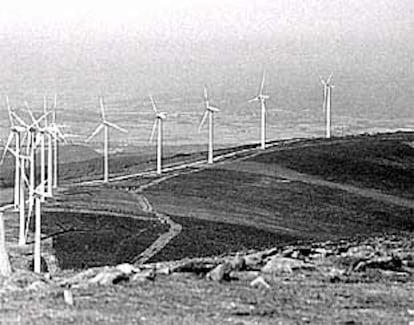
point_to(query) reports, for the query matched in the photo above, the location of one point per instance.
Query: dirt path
(164, 239)
(275, 170)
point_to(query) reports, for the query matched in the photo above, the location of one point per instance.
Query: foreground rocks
(346, 261)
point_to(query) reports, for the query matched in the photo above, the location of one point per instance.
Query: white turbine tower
(209, 112)
(327, 102)
(38, 197)
(262, 99)
(22, 179)
(105, 126)
(15, 132)
(159, 118)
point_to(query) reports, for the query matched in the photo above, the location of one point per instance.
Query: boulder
(281, 265)
(260, 282)
(220, 272)
(145, 275)
(108, 277)
(127, 268)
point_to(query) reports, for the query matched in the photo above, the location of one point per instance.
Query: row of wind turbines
(45, 132)
(209, 113)
(39, 132)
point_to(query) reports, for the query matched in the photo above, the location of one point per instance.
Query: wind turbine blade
(116, 127)
(99, 128)
(253, 100)
(203, 120)
(154, 128)
(101, 102)
(9, 111)
(9, 140)
(213, 109)
(54, 109)
(262, 83)
(153, 103)
(205, 94)
(19, 119)
(26, 179)
(330, 77)
(323, 82)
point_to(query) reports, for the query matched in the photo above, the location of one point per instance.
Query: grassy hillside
(381, 162)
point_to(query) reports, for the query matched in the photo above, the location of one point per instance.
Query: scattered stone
(391, 263)
(127, 268)
(238, 263)
(260, 282)
(144, 275)
(68, 297)
(252, 261)
(244, 275)
(335, 275)
(37, 286)
(280, 265)
(108, 277)
(220, 272)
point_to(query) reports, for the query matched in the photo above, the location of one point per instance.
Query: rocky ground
(360, 281)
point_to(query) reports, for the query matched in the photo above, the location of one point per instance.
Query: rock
(253, 261)
(220, 272)
(109, 277)
(335, 275)
(37, 286)
(127, 268)
(244, 275)
(280, 265)
(68, 297)
(238, 263)
(260, 282)
(391, 263)
(145, 275)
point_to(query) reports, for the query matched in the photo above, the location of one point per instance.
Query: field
(87, 240)
(384, 163)
(296, 193)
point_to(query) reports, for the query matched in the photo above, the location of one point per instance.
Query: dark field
(297, 209)
(200, 238)
(87, 240)
(384, 163)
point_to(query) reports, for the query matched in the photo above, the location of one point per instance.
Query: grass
(185, 299)
(200, 238)
(87, 240)
(301, 210)
(381, 163)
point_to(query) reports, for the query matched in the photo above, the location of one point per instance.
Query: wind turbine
(105, 126)
(22, 179)
(159, 118)
(33, 140)
(262, 99)
(209, 112)
(327, 101)
(15, 132)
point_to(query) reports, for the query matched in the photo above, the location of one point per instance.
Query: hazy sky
(209, 19)
(127, 48)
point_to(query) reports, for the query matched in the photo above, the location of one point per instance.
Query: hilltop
(336, 216)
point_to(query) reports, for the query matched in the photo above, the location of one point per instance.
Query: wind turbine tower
(15, 131)
(327, 102)
(159, 118)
